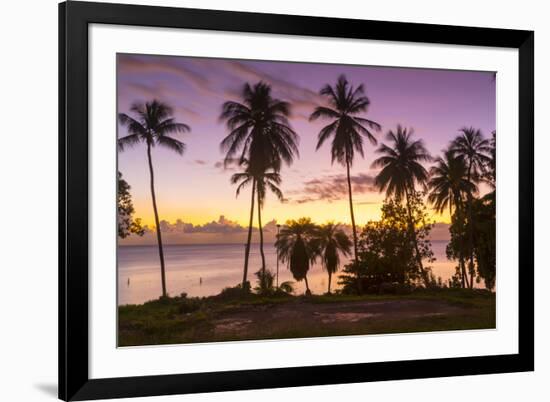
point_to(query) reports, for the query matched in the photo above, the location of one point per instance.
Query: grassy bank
(190, 320)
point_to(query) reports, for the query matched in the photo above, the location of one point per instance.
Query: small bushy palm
(298, 247)
(333, 242)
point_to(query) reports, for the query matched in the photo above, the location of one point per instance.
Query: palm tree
(297, 246)
(448, 182)
(260, 135)
(401, 171)
(346, 128)
(333, 241)
(267, 181)
(153, 124)
(449, 187)
(474, 149)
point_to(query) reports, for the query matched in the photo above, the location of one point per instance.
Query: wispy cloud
(332, 188)
(152, 64)
(303, 100)
(230, 166)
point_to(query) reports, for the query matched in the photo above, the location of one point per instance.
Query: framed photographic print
(258, 201)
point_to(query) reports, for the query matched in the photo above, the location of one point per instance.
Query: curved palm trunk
(247, 250)
(157, 224)
(329, 280)
(261, 240)
(461, 263)
(470, 232)
(464, 275)
(415, 241)
(351, 213)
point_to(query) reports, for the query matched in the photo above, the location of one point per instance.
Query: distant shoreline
(217, 244)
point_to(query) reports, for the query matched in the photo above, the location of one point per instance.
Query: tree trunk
(351, 213)
(462, 264)
(415, 241)
(470, 231)
(329, 279)
(261, 240)
(465, 283)
(308, 292)
(247, 250)
(157, 223)
(277, 254)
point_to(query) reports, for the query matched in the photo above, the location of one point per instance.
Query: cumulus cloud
(332, 188)
(222, 225)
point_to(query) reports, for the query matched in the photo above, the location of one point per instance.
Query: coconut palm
(153, 123)
(347, 129)
(259, 129)
(475, 149)
(448, 182)
(260, 135)
(401, 172)
(266, 181)
(449, 187)
(333, 242)
(298, 247)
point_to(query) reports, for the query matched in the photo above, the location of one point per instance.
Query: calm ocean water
(203, 270)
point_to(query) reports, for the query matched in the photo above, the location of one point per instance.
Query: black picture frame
(74, 18)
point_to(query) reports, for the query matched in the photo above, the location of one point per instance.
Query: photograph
(273, 199)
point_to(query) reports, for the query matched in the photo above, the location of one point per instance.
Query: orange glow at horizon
(318, 211)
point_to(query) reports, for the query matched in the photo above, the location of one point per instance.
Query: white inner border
(106, 360)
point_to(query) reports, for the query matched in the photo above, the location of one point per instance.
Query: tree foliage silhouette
(401, 170)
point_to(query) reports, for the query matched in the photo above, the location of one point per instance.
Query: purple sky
(194, 188)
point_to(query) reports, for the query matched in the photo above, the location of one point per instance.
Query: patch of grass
(190, 320)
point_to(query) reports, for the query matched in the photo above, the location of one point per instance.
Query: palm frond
(171, 143)
(128, 141)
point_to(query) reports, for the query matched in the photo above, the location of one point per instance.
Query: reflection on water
(204, 270)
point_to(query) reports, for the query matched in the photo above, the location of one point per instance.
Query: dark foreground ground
(181, 320)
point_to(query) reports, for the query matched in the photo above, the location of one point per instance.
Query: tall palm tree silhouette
(297, 246)
(347, 129)
(266, 181)
(333, 241)
(449, 187)
(260, 135)
(475, 149)
(152, 125)
(401, 171)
